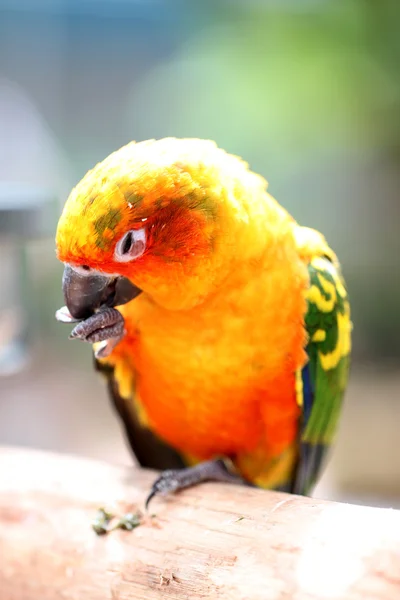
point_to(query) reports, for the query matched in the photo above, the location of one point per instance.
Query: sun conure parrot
(222, 326)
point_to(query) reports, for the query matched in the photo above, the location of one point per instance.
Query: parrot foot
(106, 326)
(178, 479)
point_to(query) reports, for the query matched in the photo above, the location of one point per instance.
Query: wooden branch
(214, 541)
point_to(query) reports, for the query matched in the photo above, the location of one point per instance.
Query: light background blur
(307, 91)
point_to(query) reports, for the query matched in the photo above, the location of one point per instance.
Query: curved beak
(85, 293)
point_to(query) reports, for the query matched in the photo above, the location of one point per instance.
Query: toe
(167, 482)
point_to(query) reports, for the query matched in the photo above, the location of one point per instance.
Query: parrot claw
(178, 479)
(106, 325)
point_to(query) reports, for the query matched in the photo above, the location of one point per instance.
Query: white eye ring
(131, 245)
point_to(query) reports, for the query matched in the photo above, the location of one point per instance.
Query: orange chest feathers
(205, 378)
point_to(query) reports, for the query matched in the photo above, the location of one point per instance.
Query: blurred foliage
(282, 84)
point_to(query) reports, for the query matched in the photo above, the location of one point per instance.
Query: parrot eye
(131, 245)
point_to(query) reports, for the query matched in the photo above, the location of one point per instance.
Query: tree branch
(214, 541)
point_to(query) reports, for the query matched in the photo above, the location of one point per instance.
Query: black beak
(85, 293)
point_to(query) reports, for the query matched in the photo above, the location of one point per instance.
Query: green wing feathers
(322, 382)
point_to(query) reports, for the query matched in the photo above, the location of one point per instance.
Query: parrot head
(157, 217)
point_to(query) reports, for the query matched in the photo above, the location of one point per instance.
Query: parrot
(220, 325)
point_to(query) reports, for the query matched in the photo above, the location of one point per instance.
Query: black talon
(149, 498)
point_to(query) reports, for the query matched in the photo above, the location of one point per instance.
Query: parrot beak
(84, 293)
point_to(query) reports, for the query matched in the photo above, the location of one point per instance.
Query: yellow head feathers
(193, 199)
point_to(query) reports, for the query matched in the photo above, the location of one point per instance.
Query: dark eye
(127, 243)
(131, 245)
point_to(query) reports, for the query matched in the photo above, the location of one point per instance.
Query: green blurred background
(307, 91)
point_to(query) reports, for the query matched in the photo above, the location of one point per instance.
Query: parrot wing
(320, 385)
(150, 451)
